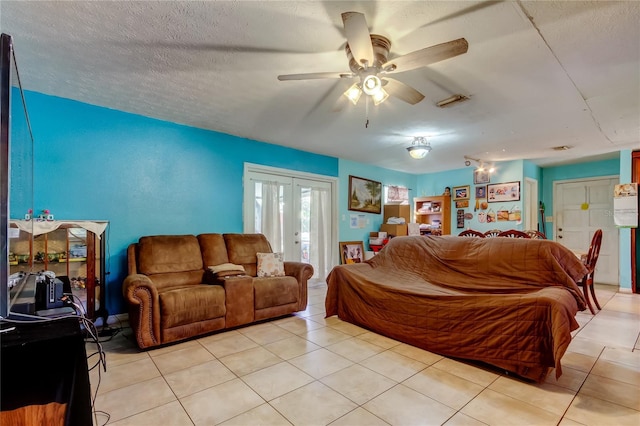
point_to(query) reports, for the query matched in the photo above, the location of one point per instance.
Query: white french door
(580, 208)
(295, 211)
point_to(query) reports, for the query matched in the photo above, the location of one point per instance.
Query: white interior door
(295, 212)
(582, 207)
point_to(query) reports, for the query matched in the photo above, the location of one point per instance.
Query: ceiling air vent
(562, 148)
(452, 100)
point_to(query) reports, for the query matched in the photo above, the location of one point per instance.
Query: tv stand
(45, 379)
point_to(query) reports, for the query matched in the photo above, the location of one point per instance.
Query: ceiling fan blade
(428, 55)
(314, 76)
(402, 91)
(358, 37)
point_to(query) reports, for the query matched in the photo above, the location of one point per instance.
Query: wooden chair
(536, 235)
(513, 233)
(590, 263)
(492, 233)
(471, 233)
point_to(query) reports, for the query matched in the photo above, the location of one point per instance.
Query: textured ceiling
(538, 74)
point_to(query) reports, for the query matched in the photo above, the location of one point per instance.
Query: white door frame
(530, 204)
(333, 181)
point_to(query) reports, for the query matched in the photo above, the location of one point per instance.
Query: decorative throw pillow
(270, 265)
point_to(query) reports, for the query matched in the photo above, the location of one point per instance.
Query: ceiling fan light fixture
(353, 93)
(380, 96)
(419, 148)
(371, 85)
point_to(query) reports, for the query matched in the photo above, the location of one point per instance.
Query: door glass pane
(305, 216)
(269, 212)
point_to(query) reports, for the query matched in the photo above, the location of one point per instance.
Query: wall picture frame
(461, 192)
(351, 252)
(503, 192)
(481, 192)
(481, 176)
(365, 195)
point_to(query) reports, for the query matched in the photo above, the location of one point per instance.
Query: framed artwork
(461, 192)
(481, 192)
(351, 252)
(462, 204)
(501, 192)
(365, 195)
(481, 176)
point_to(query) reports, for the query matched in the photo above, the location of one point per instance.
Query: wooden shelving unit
(433, 211)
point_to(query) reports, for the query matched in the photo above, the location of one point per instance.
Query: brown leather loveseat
(175, 288)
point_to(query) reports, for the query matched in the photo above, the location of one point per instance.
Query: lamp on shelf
(419, 148)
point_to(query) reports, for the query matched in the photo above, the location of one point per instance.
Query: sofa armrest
(301, 272)
(144, 309)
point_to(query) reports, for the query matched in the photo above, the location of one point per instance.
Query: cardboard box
(397, 210)
(394, 230)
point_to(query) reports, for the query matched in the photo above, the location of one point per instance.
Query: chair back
(492, 233)
(471, 233)
(594, 250)
(513, 233)
(536, 235)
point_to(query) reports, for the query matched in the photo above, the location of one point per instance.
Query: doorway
(531, 204)
(580, 208)
(295, 211)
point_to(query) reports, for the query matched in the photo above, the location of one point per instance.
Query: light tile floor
(310, 370)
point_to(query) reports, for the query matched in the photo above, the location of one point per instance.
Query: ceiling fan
(367, 54)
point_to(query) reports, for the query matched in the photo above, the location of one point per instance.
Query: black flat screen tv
(16, 170)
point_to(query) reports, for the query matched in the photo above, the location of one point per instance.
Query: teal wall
(509, 171)
(144, 176)
(147, 176)
(373, 221)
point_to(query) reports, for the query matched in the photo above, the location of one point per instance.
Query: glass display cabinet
(74, 249)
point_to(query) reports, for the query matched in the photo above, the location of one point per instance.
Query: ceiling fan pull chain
(366, 108)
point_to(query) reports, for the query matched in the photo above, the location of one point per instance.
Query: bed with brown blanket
(508, 302)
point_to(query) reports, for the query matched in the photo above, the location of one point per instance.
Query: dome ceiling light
(419, 148)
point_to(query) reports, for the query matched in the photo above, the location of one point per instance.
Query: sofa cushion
(214, 250)
(242, 250)
(161, 254)
(275, 291)
(174, 279)
(270, 265)
(190, 304)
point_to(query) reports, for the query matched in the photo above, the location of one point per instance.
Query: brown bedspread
(509, 302)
